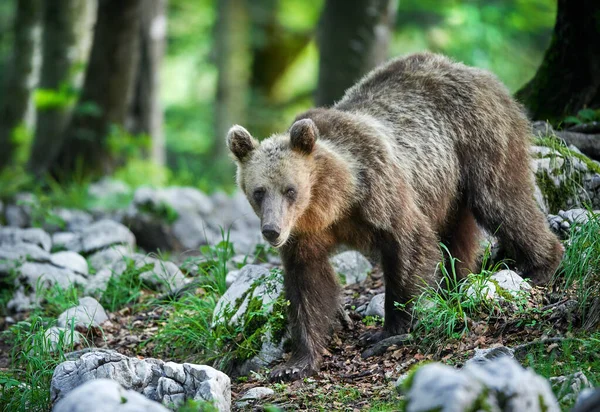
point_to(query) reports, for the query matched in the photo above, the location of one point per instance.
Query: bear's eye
(258, 195)
(290, 193)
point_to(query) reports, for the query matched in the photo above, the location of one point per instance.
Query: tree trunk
(233, 64)
(67, 38)
(353, 38)
(274, 49)
(21, 75)
(568, 79)
(107, 90)
(146, 111)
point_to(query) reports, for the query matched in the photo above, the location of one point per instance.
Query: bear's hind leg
(313, 290)
(507, 208)
(462, 240)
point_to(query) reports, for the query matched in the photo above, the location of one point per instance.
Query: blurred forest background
(146, 89)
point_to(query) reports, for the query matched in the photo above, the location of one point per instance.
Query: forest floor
(349, 382)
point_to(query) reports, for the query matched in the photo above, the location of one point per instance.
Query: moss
(163, 211)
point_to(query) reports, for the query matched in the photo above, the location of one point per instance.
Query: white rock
(498, 385)
(11, 236)
(568, 388)
(232, 275)
(13, 255)
(101, 395)
(65, 338)
(254, 394)
(100, 235)
(352, 265)
(89, 313)
(482, 290)
(70, 260)
(168, 383)
(510, 281)
(107, 257)
(376, 306)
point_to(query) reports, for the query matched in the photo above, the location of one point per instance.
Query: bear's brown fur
(421, 150)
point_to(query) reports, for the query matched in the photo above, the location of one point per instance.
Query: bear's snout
(270, 232)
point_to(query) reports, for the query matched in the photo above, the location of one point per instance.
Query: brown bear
(422, 150)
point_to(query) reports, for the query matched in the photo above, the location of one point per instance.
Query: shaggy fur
(421, 150)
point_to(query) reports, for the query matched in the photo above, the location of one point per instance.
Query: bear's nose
(270, 232)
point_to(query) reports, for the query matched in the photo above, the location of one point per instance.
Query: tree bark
(146, 111)
(67, 38)
(108, 89)
(21, 75)
(233, 64)
(353, 37)
(568, 79)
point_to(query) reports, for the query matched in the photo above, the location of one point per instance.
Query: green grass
(580, 268)
(569, 357)
(444, 311)
(26, 385)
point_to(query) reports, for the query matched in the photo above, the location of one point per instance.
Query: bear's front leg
(312, 288)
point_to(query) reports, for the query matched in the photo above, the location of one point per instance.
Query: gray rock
(163, 275)
(254, 282)
(18, 214)
(588, 401)
(568, 388)
(72, 219)
(14, 255)
(57, 337)
(232, 275)
(376, 306)
(100, 395)
(498, 385)
(60, 240)
(507, 280)
(254, 394)
(353, 266)
(107, 257)
(486, 355)
(510, 281)
(100, 235)
(88, 314)
(168, 383)
(12, 236)
(70, 260)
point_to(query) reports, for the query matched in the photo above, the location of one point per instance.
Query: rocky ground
(90, 319)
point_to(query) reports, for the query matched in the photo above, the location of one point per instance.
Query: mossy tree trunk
(107, 91)
(568, 79)
(146, 114)
(353, 38)
(233, 64)
(66, 43)
(21, 75)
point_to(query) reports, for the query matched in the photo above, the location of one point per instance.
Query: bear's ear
(240, 142)
(303, 135)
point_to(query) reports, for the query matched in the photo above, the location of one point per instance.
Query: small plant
(580, 268)
(445, 311)
(372, 320)
(583, 116)
(25, 386)
(125, 289)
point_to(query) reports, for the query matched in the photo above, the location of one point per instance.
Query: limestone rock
(169, 383)
(352, 265)
(376, 306)
(88, 314)
(100, 395)
(499, 385)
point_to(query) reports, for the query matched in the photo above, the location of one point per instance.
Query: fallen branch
(519, 349)
(588, 144)
(380, 347)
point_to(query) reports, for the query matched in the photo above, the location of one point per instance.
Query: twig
(380, 347)
(593, 127)
(553, 305)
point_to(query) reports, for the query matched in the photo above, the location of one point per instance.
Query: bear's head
(276, 175)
